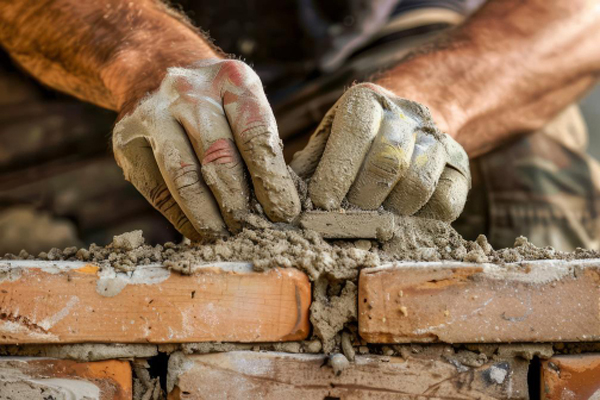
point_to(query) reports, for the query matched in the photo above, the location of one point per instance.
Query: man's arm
(508, 70)
(108, 52)
(193, 146)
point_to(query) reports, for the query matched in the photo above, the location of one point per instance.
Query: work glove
(375, 148)
(187, 147)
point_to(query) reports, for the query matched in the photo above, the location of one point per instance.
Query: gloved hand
(185, 148)
(375, 148)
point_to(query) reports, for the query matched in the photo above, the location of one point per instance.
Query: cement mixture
(332, 266)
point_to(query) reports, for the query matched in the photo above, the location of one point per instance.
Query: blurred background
(60, 186)
(590, 106)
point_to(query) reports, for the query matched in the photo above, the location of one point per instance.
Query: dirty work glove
(375, 148)
(186, 148)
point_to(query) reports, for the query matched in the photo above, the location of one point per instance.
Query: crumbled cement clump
(127, 241)
(330, 312)
(347, 346)
(420, 239)
(338, 362)
(313, 346)
(145, 387)
(476, 256)
(485, 246)
(276, 247)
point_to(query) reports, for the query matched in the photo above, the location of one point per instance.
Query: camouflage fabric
(543, 186)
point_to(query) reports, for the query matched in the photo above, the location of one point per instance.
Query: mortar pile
(333, 266)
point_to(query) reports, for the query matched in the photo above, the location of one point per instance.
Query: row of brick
(279, 375)
(70, 302)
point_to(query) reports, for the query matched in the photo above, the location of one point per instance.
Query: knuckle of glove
(365, 91)
(388, 163)
(457, 157)
(449, 198)
(161, 197)
(259, 139)
(186, 177)
(240, 73)
(176, 82)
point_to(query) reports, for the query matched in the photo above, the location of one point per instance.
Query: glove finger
(182, 173)
(456, 157)
(305, 161)
(177, 163)
(416, 187)
(257, 138)
(222, 166)
(449, 198)
(139, 166)
(387, 161)
(356, 123)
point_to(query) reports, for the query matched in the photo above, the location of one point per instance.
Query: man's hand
(507, 71)
(184, 148)
(185, 145)
(375, 148)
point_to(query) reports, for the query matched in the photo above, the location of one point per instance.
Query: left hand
(375, 148)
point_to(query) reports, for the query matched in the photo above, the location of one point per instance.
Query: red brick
(571, 377)
(538, 301)
(37, 378)
(69, 304)
(267, 375)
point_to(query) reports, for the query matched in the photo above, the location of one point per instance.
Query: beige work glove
(375, 148)
(186, 148)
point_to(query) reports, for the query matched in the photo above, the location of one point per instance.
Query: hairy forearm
(106, 52)
(507, 71)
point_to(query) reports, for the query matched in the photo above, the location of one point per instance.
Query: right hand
(376, 149)
(184, 148)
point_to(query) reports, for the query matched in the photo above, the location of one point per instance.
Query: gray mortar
(81, 352)
(144, 386)
(333, 266)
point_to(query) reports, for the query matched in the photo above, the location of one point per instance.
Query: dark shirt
(294, 38)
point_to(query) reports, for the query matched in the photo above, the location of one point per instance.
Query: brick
(270, 375)
(69, 302)
(47, 378)
(349, 224)
(452, 302)
(571, 377)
